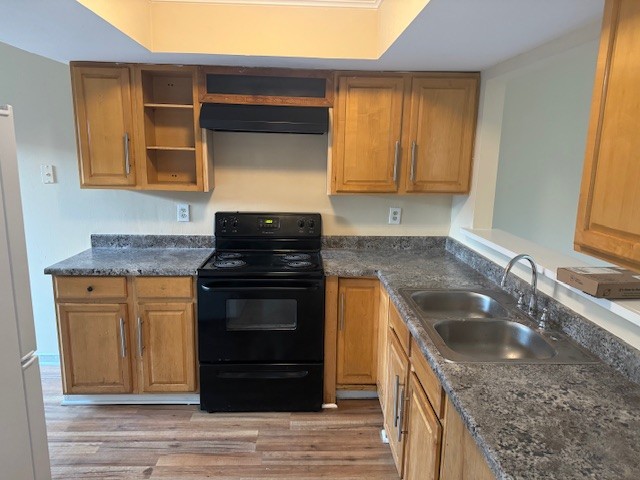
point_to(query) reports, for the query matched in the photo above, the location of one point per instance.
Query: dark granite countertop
(107, 261)
(530, 421)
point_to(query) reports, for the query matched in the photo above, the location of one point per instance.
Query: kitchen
(250, 169)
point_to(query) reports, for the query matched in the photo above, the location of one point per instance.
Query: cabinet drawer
(164, 287)
(400, 328)
(428, 379)
(90, 288)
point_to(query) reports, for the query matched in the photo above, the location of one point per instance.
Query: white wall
(252, 172)
(545, 74)
(545, 121)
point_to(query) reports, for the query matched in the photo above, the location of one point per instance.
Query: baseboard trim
(133, 399)
(356, 394)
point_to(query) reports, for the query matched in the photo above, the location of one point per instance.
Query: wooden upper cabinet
(367, 134)
(104, 123)
(608, 223)
(94, 348)
(138, 127)
(170, 148)
(357, 331)
(418, 127)
(166, 346)
(441, 127)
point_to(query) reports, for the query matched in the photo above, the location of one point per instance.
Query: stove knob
(234, 223)
(301, 223)
(311, 223)
(224, 223)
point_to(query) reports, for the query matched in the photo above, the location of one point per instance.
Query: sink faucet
(534, 278)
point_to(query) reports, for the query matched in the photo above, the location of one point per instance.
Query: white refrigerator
(24, 454)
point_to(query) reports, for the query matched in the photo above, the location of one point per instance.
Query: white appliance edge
(24, 453)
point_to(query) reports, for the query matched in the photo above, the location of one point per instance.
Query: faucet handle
(542, 323)
(520, 294)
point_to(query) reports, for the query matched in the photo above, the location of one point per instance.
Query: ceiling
(446, 35)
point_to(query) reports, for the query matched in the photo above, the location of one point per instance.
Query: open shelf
(177, 149)
(168, 105)
(171, 146)
(171, 167)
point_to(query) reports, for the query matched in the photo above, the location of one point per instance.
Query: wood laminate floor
(180, 442)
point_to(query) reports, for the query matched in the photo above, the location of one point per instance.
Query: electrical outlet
(46, 173)
(395, 214)
(183, 212)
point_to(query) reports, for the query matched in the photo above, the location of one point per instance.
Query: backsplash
(151, 241)
(612, 350)
(383, 243)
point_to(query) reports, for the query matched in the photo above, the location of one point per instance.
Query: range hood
(264, 118)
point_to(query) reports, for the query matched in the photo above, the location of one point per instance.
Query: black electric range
(261, 314)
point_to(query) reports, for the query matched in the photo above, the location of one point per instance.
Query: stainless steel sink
(486, 326)
(487, 340)
(457, 303)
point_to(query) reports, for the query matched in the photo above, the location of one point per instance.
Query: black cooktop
(243, 263)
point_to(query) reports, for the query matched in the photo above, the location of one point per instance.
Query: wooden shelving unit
(168, 122)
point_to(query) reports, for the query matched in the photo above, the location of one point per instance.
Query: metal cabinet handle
(123, 339)
(127, 163)
(401, 415)
(395, 161)
(341, 327)
(396, 389)
(140, 345)
(414, 147)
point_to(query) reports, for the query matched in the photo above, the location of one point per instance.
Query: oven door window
(247, 314)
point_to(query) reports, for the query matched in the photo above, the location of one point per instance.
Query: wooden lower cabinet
(94, 348)
(383, 331)
(357, 338)
(427, 437)
(104, 352)
(461, 457)
(165, 348)
(395, 398)
(423, 436)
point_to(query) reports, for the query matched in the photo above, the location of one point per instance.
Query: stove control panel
(239, 224)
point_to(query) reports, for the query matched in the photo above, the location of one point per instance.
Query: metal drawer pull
(342, 311)
(396, 388)
(414, 146)
(395, 161)
(123, 341)
(401, 415)
(140, 345)
(127, 164)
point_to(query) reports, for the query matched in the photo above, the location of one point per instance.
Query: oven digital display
(268, 222)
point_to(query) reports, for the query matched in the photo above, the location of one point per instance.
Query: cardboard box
(602, 282)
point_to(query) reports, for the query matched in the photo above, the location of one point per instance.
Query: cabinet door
(424, 434)
(104, 119)
(383, 329)
(94, 348)
(367, 130)
(441, 133)
(461, 457)
(395, 398)
(608, 224)
(165, 344)
(357, 331)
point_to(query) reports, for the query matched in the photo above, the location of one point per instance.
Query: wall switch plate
(395, 214)
(183, 212)
(46, 173)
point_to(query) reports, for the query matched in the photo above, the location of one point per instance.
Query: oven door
(260, 320)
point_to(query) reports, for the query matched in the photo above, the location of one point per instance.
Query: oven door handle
(264, 375)
(259, 286)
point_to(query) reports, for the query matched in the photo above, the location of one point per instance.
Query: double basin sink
(479, 326)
